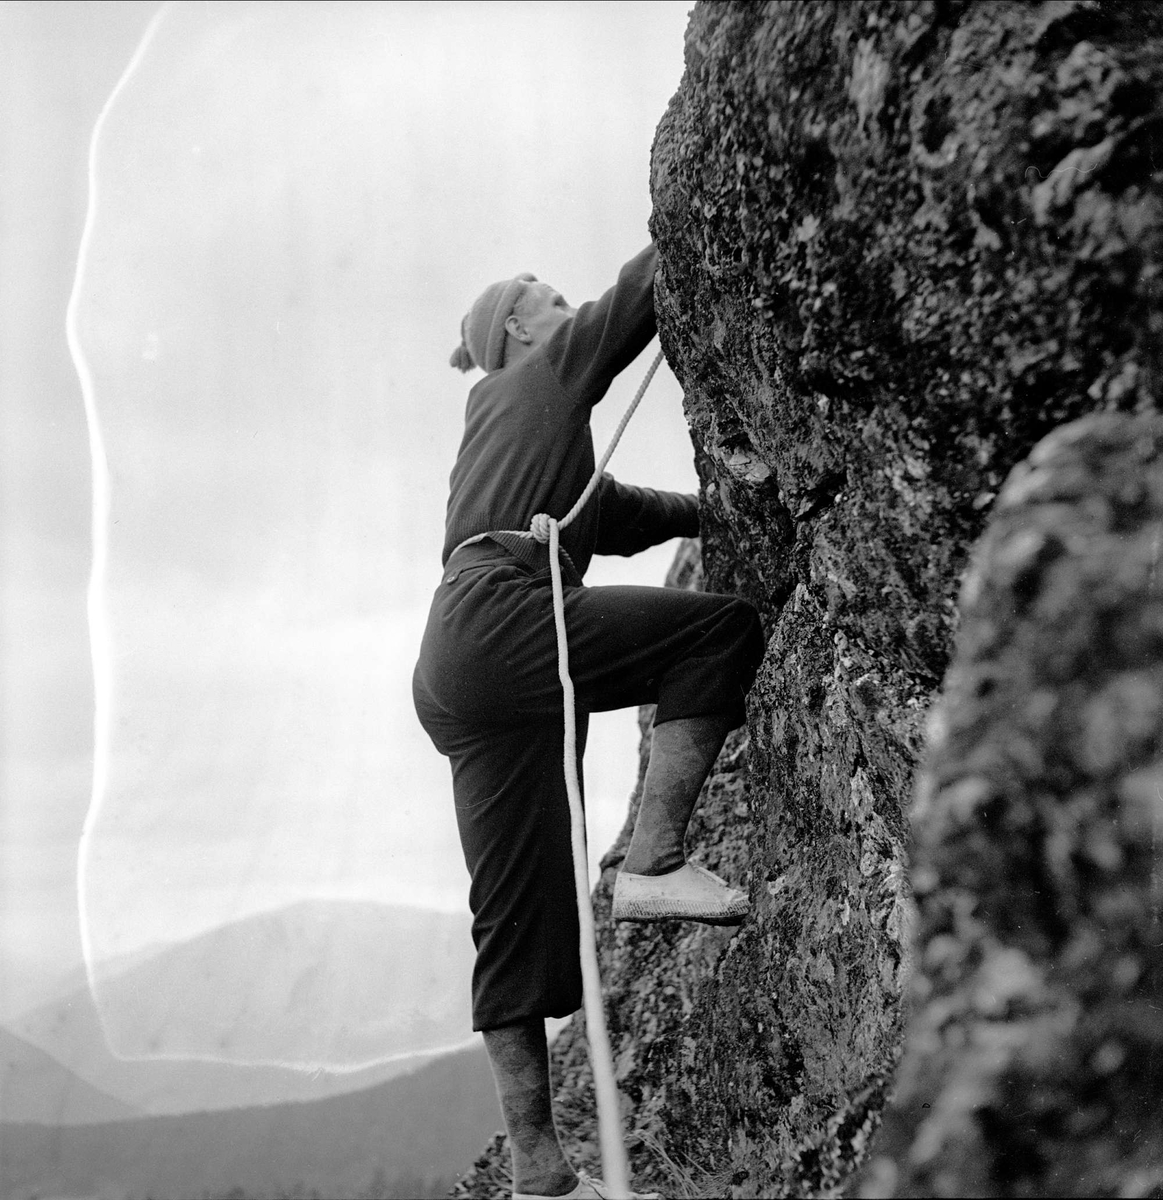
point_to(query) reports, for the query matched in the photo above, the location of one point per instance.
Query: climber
(487, 692)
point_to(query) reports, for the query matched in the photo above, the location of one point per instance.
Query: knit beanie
(482, 332)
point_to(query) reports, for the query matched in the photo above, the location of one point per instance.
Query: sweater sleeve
(631, 519)
(606, 335)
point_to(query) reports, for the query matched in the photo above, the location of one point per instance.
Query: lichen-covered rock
(900, 243)
(897, 248)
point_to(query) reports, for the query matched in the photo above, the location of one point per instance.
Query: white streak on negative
(99, 647)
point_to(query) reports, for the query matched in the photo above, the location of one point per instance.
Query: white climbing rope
(544, 528)
(615, 1169)
(614, 1166)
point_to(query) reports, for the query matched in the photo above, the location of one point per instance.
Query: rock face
(901, 243)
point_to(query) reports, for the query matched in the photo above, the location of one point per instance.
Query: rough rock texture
(900, 244)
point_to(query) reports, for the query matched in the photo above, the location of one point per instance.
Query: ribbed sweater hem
(532, 553)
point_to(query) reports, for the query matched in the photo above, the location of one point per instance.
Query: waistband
(484, 551)
(487, 550)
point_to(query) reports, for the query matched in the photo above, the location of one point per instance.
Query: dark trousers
(487, 692)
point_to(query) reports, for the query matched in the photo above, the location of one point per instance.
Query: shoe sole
(649, 918)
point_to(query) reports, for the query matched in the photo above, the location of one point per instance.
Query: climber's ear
(514, 325)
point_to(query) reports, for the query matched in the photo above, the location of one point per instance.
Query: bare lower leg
(682, 753)
(520, 1061)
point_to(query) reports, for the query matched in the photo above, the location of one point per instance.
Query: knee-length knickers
(487, 692)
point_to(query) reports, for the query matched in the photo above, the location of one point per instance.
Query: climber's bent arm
(632, 519)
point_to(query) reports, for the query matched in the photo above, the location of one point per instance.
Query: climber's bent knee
(716, 674)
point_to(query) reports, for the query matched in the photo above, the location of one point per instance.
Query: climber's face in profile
(539, 312)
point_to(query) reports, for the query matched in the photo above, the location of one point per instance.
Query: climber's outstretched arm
(606, 335)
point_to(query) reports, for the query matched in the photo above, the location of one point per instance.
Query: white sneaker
(587, 1188)
(692, 893)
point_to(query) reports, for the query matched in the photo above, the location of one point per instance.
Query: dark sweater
(527, 446)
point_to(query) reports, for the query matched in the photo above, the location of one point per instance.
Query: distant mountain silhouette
(35, 1087)
(320, 983)
(426, 1126)
(200, 1025)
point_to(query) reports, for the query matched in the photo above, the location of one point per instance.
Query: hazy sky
(295, 204)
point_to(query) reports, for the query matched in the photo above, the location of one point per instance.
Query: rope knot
(539, 527)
